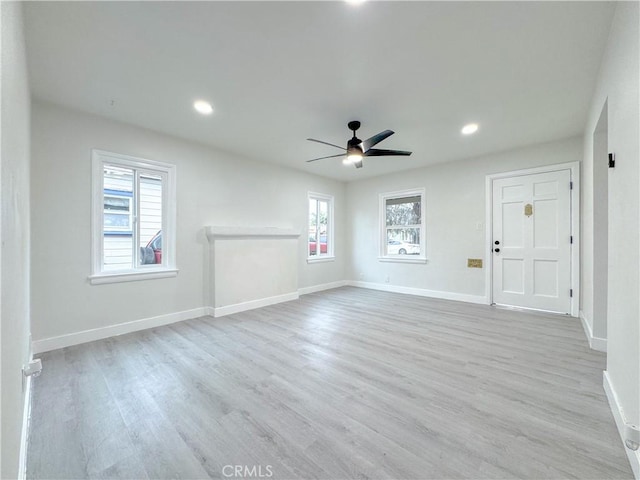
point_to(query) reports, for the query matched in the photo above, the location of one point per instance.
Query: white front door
(531, 244)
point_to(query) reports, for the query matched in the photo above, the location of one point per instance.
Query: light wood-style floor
(348, 383)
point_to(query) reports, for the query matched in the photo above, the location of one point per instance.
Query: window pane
(117, 218)
(323, 222)
(118, 252)
(118, 180)
(320, 226)
(117, 213)
(313, 222)
(150, 219)
(403, 241)
(403, 211)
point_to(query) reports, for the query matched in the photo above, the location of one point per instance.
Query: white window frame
(137, 272)
(384, 256)
(319, 257)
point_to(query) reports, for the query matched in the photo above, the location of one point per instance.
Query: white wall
(596, 302)
(213, 188)
(618, 85)
(14, 174)
(455, 205)
(249, 269)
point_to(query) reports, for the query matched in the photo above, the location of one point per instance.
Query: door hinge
(570, 185)
(571, 239)
(571, 292)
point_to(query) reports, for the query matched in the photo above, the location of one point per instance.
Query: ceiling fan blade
(376, 152)
(377, 138)
(326, 143)
(322, 158)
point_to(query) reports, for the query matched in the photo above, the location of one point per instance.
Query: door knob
(497, 242)
(497, 250)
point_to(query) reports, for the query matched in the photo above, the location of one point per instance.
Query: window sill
(134, 276)
(321, 259)
(403, 259)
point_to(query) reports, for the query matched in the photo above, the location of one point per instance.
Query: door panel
(532, 228)
(545, 278)
(513, 225)
(545, 224)
(513, 275)
(545, 188)
(512, 192)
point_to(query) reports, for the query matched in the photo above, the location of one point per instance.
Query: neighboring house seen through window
(402, 222)
(134, 209)
(320, 227)
(118, 217)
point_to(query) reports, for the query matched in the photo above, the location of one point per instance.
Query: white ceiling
(279, 72)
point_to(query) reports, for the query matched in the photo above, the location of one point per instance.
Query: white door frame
(574, 168)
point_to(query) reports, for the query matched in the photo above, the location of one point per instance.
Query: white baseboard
(595, 343)
(321, 287)
(618, 415)
(61, 341)
(460, 297)
(253, 304)
(24, 436)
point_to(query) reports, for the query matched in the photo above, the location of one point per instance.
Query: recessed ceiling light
(203, 107)
(469, 129)
(355, 2)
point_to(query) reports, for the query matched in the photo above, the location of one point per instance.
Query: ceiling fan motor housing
(354, 146)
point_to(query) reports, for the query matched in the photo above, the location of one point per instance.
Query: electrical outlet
(33, 368)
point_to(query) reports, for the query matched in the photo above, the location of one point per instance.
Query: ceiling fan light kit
(357, 149)
(469, 129)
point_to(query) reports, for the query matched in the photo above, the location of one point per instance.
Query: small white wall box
(33, 368)
(631, 436)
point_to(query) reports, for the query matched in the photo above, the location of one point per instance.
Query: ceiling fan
(357, 149)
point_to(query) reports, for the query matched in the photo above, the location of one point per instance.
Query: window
(133, 218)
(320, 247)
(402, 226)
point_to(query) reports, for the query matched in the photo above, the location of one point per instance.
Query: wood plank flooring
(347, 383)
